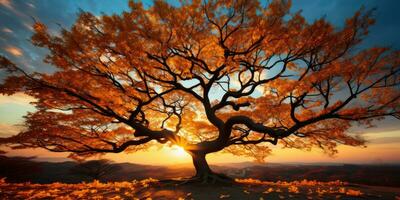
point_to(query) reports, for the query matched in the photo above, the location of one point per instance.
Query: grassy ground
(153, 189)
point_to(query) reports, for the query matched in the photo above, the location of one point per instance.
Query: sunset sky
(16, 18)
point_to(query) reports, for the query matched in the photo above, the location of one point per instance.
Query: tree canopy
(208, 76)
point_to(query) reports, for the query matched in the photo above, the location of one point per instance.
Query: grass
(154, 189)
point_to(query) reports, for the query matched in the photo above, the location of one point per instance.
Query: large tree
(208, 76)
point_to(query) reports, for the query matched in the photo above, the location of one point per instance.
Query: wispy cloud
(18, 98)
(31, 5)
(385, 140)
(7, 4)
(14, 50)
(7, 130)
(28, 25)
(6, 30)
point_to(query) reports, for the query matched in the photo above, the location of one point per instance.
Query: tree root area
(203, 179)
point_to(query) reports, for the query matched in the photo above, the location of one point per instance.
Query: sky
(16, 18)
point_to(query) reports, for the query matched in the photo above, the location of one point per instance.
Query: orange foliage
(208, 76)
(144, 188)
(92, 190)
(304, 187)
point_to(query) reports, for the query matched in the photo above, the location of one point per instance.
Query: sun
(178, 151)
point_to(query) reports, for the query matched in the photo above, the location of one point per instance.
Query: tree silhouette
(95, 169)
(207, 76)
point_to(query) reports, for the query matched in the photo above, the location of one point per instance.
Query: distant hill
(48, 172)
(383, 175)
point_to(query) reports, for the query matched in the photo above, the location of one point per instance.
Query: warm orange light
(178, 151)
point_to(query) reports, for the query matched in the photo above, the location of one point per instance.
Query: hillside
(23, 170)
(153, 189)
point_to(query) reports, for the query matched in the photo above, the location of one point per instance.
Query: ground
(154, 189)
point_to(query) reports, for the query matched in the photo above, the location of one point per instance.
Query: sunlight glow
(178, 151)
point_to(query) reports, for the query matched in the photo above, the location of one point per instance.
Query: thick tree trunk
(204, 173)
(201, 165)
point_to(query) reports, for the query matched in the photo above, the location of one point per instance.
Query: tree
(95, 169)
(207, 76)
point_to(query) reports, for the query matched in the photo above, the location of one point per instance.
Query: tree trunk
(204, 173)
(201, 165)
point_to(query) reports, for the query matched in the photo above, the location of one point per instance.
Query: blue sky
(16, 18)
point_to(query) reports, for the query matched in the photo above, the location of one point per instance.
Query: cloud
(7, 130)
(31, 5)
(7, 30)
(385, 140)
(18, 98)
(28, 26)
(14, 50)
(7, 4)
(14, 107)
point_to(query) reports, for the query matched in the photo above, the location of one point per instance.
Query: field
(154, 189)
(27, 179)
(19, 170)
